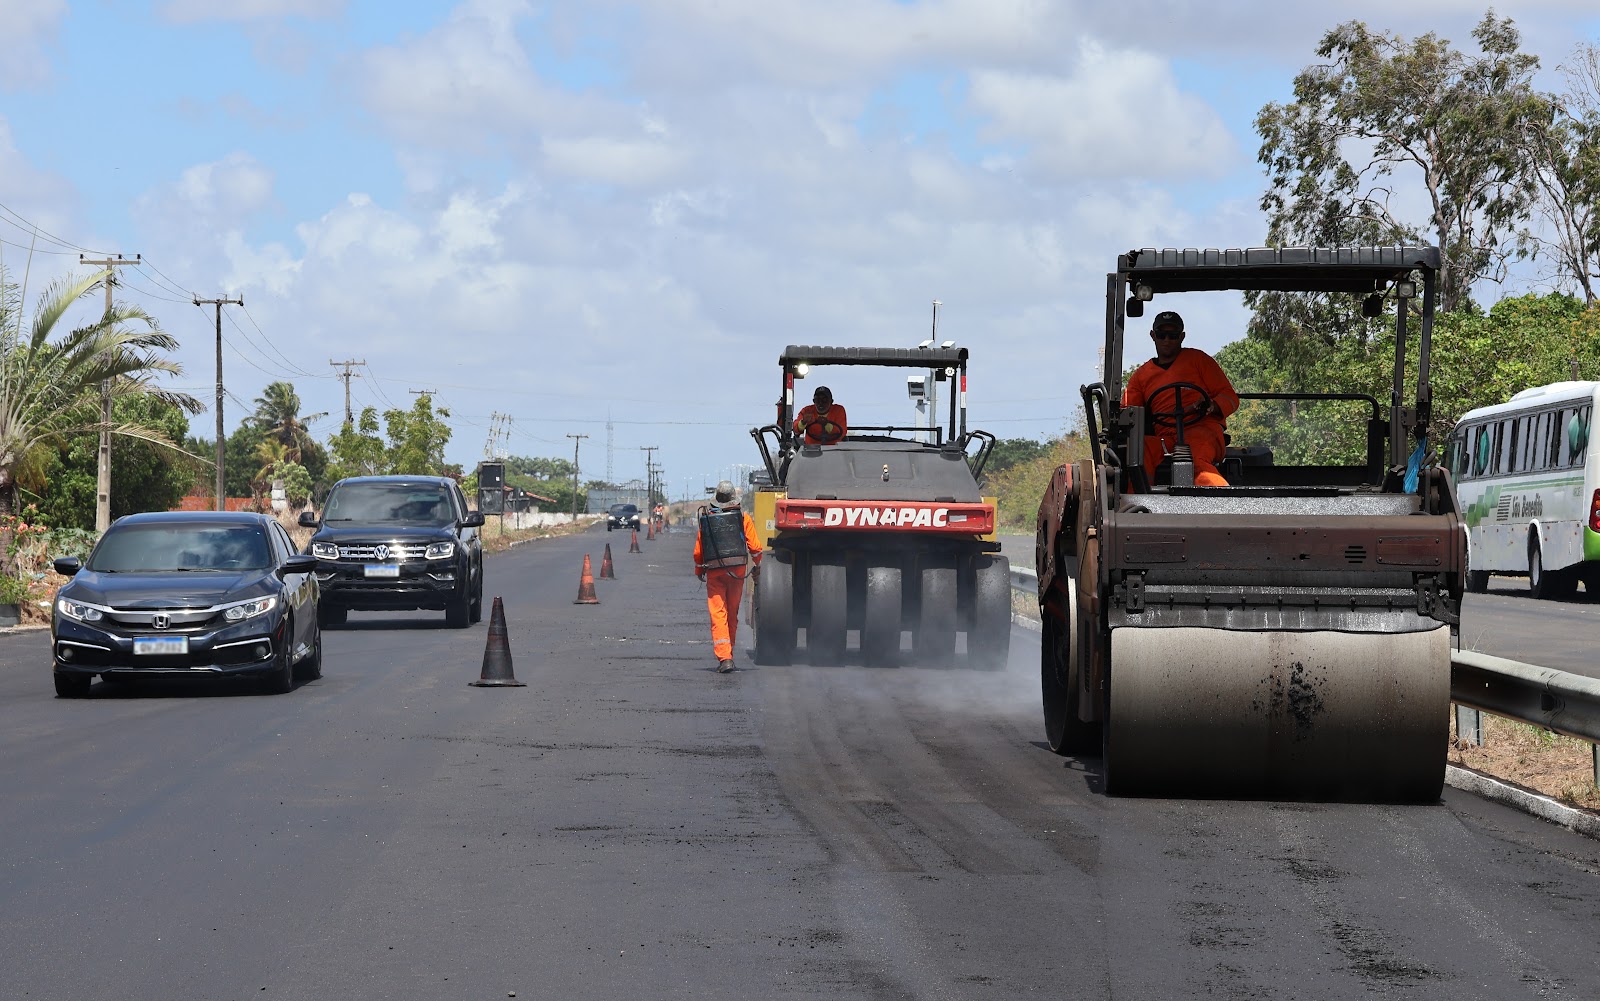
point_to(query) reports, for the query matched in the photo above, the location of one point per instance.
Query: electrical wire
(29, 227)
(287, 360)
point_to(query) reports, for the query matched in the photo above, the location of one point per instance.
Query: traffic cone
(497, 654)
(586, 595)
(650, 533)
(607, 571)
(633, 543)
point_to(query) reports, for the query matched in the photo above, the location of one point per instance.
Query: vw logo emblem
(382, 552)
(161, 620)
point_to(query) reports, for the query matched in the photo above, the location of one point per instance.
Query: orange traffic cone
(497, 671)
(586, 595)
(633, 543)
(607, 571)
(650, 533)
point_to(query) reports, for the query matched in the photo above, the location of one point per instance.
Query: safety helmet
(727, 494)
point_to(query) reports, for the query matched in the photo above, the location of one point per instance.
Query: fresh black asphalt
(632, 825)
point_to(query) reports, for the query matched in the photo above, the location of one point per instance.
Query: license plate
(161, 645)
(381, 570)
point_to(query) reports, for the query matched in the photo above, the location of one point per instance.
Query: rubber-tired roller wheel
(827, 629)
(935, 639)
(880, 627)
(775, 610)
(989, 638)
(1296, 715)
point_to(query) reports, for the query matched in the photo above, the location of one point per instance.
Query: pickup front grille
(383, 552)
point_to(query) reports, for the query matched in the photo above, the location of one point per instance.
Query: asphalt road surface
(633, 825)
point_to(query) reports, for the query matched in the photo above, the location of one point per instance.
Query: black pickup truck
(398, 542)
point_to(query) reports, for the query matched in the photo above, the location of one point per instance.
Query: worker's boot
(724, 666)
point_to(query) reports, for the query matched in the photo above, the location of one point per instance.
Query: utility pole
(423, 392)
(346, 376)
(102, 479)
(577, 439)
(222, 497)
(611, 441)
(649, 474)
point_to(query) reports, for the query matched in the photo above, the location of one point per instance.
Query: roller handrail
(1558, 701)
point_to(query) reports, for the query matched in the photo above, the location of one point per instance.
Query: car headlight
(250, 609)
(80, 611)
(324, 550)
(441, 551)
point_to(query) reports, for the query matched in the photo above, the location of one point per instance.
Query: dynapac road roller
(1287, 635)
(884, 531)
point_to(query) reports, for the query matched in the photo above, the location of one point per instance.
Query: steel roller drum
(1293, 715)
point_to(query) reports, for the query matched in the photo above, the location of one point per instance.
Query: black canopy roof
(1281, 269)
(931, 357)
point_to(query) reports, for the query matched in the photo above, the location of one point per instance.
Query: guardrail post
(1469, 728)
(1594, 749)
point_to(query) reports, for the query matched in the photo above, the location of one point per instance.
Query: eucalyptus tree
(50, 380)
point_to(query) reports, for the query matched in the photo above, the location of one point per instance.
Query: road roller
(878, 530)
(1288, 634)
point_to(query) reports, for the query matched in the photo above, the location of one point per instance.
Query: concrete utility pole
(649, 474)
(346, 376)
(222, 496)
(102, 479)
(577, 439)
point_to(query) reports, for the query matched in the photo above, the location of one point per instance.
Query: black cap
(823, 393)
(1167, 318)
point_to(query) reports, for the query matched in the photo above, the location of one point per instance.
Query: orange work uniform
(825, 428)
(1204, 437)
(725, 590)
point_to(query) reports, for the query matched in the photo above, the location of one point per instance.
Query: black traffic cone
(633, 543)
(607, 571)
(497, 654)
(586, 595)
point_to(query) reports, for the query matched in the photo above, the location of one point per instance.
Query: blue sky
(559, 210)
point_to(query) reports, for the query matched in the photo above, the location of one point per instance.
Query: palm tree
(50, 389)
(278, 414)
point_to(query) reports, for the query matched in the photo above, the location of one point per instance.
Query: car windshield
(623, 509)
(160, 548)
(390, 504)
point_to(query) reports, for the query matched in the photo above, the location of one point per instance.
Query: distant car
(622, 516)
(187, 593)
(398, 542)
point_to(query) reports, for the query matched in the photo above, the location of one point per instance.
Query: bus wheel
(1547, 584)
(1477, 581)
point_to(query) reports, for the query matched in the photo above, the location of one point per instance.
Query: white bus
(1528, 484)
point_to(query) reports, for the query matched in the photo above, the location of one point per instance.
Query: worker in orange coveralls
(726, 546)
(1203, 429)
(822, 423)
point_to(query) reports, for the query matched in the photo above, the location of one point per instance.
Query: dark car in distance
(187, 593)
(387, 543)
(622, 516)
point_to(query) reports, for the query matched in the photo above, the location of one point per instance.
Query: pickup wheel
(73, 686)
(475, 613)
(458, 614)
(331, 615)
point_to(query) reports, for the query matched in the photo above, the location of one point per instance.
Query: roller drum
(1295, 715)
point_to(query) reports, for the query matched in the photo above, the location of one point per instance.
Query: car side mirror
(309, 519)
(1135, 308)
(474, 519)
(298, 563)
(68, 566)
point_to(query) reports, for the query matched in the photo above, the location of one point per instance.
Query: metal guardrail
(1558, 701)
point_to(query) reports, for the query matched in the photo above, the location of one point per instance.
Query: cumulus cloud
(187, 11)
(29, 25)
(1119, 114)
(223, 193)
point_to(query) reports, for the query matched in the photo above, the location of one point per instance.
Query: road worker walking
(823, 422)
(725, 548)
(1203, 422)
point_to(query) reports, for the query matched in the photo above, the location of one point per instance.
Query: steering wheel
(817, 430)
(1180, 414)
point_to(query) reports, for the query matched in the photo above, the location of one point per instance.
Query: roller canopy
(1279, 269)
(895, 357)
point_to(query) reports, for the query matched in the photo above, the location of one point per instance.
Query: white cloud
(186, 11)
(223, 193)
(28, 26)
(1119, 114)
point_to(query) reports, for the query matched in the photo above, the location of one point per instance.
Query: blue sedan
(187, 593)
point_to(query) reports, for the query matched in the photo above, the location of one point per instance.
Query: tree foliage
(1383, 111)
(144, 476)
(417, 438)
(50, 380)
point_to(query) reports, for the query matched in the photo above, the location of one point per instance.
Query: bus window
(1502, 431)
(1536, 425)
(1455, 455)
(1518, 459)
(1480, 450)
(1553, 440)
(1577, 436)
